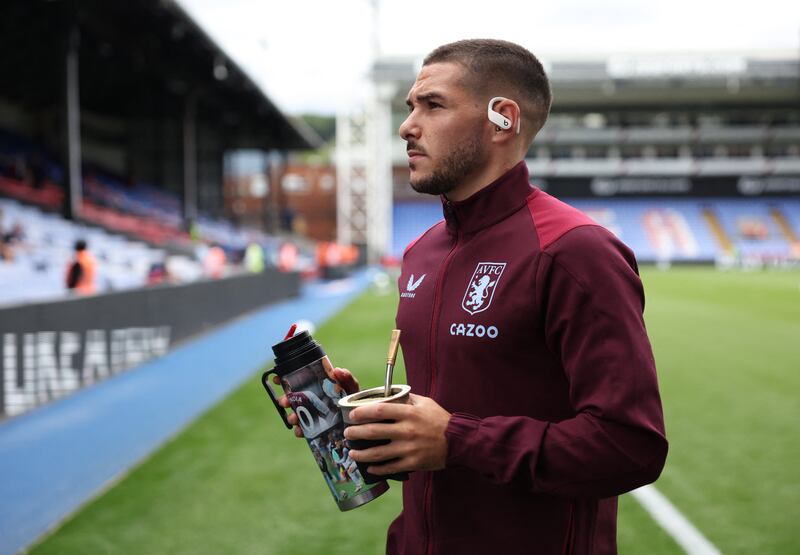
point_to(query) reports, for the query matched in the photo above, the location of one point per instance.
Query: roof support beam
(72, 108)
(190, 160)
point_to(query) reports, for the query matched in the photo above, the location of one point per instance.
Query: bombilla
(394, 342)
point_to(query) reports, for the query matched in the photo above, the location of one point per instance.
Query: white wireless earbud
(499, 119)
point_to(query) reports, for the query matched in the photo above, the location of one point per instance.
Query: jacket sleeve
(591, 300)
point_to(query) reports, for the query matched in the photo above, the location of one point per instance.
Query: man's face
(444, 130)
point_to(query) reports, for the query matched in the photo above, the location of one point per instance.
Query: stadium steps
(716, 228)
(783, 225)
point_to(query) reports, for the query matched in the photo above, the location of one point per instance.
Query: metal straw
(394, 342)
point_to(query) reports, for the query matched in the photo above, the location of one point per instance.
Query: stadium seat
(658, 230)
(38, 268)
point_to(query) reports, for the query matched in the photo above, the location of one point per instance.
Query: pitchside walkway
(58, 457)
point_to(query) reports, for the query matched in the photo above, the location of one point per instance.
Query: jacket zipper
(428, 493)
(569, 536)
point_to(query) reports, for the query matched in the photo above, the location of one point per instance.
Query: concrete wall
(48, 350)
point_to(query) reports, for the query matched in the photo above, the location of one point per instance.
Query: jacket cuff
(460, 433)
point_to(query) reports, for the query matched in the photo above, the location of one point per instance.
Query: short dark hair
(501, 68)
(80, 245)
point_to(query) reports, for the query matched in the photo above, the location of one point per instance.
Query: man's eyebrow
(426, 96)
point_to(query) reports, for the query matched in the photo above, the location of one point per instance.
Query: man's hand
(343, 379)
(417, 435)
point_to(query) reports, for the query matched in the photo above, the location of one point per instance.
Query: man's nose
(409, 128)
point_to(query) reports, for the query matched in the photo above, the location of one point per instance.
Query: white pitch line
(673, 522)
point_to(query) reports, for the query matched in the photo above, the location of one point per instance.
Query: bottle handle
(271, 393)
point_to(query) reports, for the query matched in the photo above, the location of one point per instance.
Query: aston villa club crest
(481, 288)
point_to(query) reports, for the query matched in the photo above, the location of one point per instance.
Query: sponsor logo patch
(472, 330)
(411, 286)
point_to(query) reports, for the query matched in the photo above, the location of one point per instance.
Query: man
(535, 397)
(82, 270)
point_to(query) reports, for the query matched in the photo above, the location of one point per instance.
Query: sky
(311, 56)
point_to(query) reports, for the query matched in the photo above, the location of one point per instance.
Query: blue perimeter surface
(57, 458)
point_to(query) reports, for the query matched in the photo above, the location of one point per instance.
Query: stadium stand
(691, 230)
(120, 118)
(791, 214)
(38, 267)
(688, 159)
(141, 210)
(754, 229)
(672, 230)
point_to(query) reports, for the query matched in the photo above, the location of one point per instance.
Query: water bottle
(306, 375)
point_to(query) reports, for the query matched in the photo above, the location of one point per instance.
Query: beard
(463, 159)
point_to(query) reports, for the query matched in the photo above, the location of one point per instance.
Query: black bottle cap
(296, 352)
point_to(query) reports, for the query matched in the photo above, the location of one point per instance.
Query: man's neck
(474, 183)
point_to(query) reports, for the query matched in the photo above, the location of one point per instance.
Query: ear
(510, 110)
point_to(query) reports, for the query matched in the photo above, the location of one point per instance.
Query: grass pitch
(727, 347)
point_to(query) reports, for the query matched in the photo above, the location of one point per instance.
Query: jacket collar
(491, 204)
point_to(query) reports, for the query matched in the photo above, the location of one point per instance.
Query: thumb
(345, 379)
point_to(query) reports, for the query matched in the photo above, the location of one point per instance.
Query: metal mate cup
(399, 394)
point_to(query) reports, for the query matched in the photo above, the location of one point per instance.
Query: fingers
(342, 376)
(386, 459)
(282, 401)
(291, 417)
(377, 431)
(417, 434)
(345, 378)
(375, 454)
(380, 411)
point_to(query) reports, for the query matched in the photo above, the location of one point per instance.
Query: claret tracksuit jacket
(523, 318)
